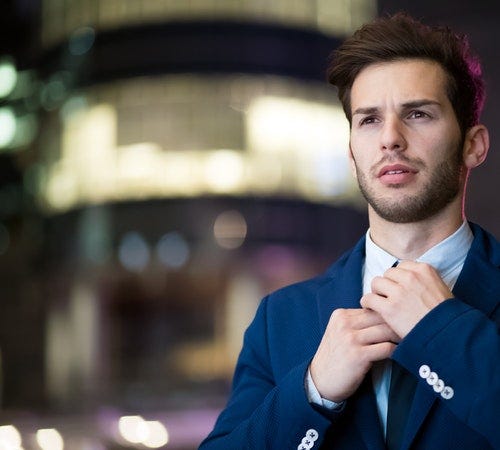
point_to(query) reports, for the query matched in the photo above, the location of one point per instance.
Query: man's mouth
(392, 172)
(396, 174)
(395, 170)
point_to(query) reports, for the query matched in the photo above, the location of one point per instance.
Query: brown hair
(400, 37)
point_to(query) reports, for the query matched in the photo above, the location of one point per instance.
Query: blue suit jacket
(459, 340)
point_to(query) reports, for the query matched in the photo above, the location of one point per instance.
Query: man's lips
(396, 169)
(396, 174)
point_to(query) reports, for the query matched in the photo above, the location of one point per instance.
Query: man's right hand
(354, 339)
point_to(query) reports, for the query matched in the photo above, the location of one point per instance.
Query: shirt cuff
(315, 398)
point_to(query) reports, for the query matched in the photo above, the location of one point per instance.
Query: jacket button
(308, 440)
(432, 378)
(312, 434)
(424, 371)
(447, 393)
(439, 386)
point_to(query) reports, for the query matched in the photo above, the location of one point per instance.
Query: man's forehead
(402, 81)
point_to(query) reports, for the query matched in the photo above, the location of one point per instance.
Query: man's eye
(418, 115)
(367, 120)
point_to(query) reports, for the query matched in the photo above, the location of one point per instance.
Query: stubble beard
(441, 190)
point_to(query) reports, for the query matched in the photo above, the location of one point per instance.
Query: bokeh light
(49, 439)
(149, 433)
(8, 76)
(10, 438)
(8, 125)
(81, 41)
(134, 252)
(133, 429)
(157, 435)
(173, 250)
(230, 229)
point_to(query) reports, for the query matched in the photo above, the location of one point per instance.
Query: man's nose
(392, 135)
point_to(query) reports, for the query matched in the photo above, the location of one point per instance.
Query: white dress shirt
(447, 258)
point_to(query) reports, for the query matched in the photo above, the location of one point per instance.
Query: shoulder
(485, 244)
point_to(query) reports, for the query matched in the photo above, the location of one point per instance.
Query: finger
(383, 285)
(407, 270)
(377, 334)
(380, 351)
(375, 302)
(416, 277)
(403, 272)
(356, 319)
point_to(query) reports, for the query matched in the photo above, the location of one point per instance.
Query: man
(416, 300)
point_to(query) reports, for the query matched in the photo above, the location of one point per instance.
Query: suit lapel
(344, 288)
(420, 407)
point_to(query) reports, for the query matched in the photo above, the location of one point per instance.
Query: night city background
(163, 165)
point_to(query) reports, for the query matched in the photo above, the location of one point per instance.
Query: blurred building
(179, 160)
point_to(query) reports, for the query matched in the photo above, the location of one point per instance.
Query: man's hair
(400, 37)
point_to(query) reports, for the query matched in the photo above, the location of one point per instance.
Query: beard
(442, 188)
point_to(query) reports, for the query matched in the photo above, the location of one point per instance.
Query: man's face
(406, 145)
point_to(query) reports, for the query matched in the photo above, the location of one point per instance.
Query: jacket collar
(344, 286)
(479, 282)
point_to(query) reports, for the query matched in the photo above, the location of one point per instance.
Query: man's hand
(405, 294)
(354, 339)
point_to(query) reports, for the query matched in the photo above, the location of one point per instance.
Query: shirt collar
(445, 256)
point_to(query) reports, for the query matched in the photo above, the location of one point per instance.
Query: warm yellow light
(136, 430)
(133, 429)
(62, 187)
(224, 171)
(49, 439)
(10, 438)
(294, 126)
(157, 435)
(331, 17)
(116, 144)
(310, 139)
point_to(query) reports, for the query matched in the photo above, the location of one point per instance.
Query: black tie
(401, 393)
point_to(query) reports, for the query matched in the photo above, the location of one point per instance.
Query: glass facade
(187, 135)
(60, 18)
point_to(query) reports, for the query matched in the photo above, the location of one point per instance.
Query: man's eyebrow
(366, 111)
(419, 103)
(406, 105)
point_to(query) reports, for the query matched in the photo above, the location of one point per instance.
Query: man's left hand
(405, 294)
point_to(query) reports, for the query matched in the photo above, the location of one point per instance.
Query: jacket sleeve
(461, 346)
(262, 412)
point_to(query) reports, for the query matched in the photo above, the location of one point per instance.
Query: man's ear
(476, 145)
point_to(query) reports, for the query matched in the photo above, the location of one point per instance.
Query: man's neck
(411, 240)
